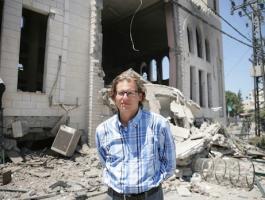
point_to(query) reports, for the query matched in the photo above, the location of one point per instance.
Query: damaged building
(56, 55)
(57, 60)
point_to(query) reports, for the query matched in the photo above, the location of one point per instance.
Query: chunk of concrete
(177, 109)
(179, 132)
(189, 147)
(5, 177)
(17, 130)
(41, 174)
(183, 191)
(14, 156)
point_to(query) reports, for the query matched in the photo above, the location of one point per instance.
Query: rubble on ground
(204, 155)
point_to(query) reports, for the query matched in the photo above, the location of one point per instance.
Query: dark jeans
(157, 195)
(2, 89)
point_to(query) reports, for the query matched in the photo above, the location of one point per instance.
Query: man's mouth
(124, 105)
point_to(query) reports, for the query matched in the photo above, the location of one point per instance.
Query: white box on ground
(66, 140)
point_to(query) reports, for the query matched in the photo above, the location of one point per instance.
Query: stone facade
(73, 72)
(211, 94)
(68, 67)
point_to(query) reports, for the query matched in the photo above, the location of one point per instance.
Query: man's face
(127, 97)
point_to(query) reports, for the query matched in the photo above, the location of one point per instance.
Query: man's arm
(100, 150)
(167, 152)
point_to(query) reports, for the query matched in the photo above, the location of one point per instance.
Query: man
(2, 89)
(135, 146)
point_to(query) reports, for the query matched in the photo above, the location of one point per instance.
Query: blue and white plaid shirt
(138, 157)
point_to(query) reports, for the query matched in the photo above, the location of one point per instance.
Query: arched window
(199, 43)
(207, 51)
(190, 40)
(153, 70)
(144, 70)
(165, 68)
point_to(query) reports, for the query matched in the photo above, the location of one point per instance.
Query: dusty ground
(47, 175)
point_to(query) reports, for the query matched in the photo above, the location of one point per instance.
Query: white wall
(68, 37)
(191, 59)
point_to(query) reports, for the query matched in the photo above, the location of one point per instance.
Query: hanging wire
(131, 38)
(222, 18)
(237, 63)
(211, 25)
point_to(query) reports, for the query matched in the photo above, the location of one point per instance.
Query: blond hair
(129, 76)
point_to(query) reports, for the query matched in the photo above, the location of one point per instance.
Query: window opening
(192, 84)
(199, 44)
(209, 85)
(201, 88)
(32, 51)
(207, 51)
(153, 70)
(215, 5)
(189, 35)
(165, 68)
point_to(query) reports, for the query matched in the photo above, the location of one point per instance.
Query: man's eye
(128, 93)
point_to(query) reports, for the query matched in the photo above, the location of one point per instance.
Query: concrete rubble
(201, 152)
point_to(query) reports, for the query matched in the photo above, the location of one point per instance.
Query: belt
(138, 196)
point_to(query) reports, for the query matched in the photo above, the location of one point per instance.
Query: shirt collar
(134, 121)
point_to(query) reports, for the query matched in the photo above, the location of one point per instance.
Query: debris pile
(45, 174)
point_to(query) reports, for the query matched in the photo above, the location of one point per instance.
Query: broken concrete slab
(14, 156)
(179, 133)
(183, 191)
(39, 173)
(177, 109)
(255, 154)
(59, 184)
(189, 147)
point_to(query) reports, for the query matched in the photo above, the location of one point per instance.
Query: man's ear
(141, 96)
